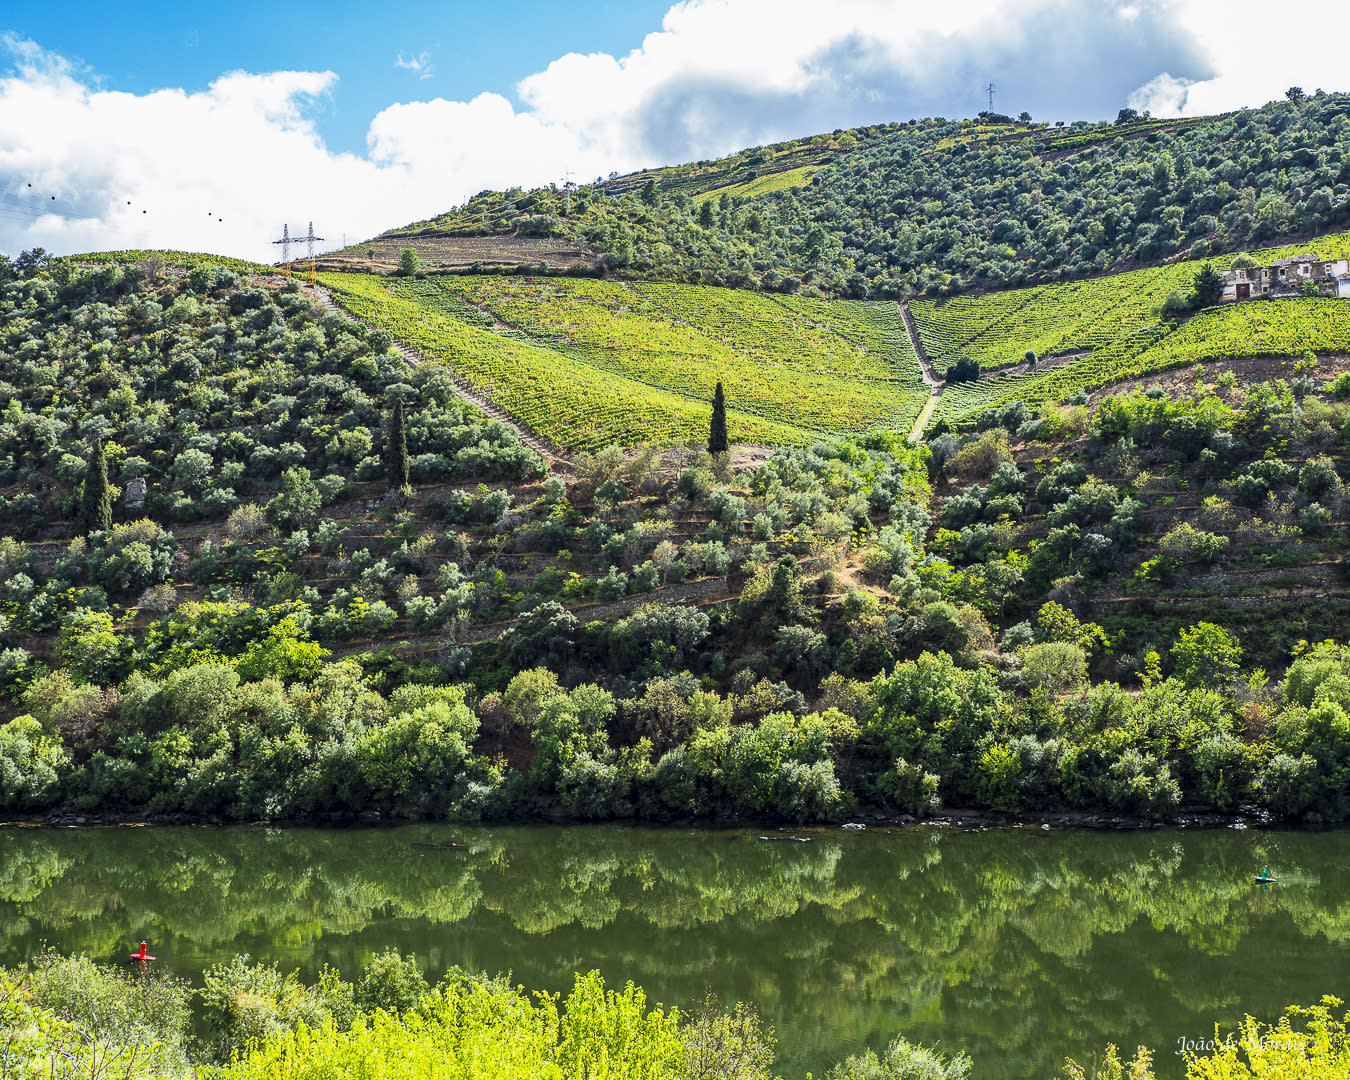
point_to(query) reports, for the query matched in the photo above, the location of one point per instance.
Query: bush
(981, 456)
(391, 982)
(115, 1005)
(243, 1002)
(1318, 478)
(902, 1060)
(613, 586)
(910, 788)
(1206, 655)
(479, 1030)
(31, 765)
(297, 502)
(1185, 543)
(964, 370)
(1054, 666)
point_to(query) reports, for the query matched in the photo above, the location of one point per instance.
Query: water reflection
(1016, 945)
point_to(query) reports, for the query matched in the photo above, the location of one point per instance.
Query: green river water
(1018, 945)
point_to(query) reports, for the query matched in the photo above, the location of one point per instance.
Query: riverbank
(943, 817)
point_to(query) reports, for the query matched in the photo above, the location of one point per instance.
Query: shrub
(1206, 655)
(297, 502)
(116, 1006)
(613, 586)
(982, 455)
(243, 1002)
(1185, 543)
(1318, 478)
(1054, 666)
(31, 765)
(902, 1060)
(391, 982)
(910, 788)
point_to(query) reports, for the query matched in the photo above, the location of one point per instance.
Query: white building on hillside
(1286, 277)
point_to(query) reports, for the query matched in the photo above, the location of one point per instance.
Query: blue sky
(470, 47)
(209, 127)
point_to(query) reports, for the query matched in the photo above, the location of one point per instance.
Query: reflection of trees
(1018, 946)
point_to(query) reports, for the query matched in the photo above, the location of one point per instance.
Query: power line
(990, 91)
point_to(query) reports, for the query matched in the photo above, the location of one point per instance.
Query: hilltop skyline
(181, 129)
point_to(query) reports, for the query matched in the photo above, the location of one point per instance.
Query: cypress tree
(96, 498)
(717, 432)
(396, 451)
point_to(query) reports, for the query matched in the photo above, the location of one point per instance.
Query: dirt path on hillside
(926, 368)
(544, 449)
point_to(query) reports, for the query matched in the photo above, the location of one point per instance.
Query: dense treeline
(67, 1017)
(940, 207)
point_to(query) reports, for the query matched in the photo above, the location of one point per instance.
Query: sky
(209, 127)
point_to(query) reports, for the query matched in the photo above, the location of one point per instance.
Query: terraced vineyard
(585, 362)
(763, 184)
(1116, 322)
(996, 329)
(1232, 332)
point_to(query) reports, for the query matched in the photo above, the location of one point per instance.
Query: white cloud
(1257, 52)
(421, 64)
(1161, 96)
(717, 76)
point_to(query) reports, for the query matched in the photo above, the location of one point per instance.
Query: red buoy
(142, 956)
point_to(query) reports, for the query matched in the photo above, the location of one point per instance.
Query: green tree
(650, 196)
(396, 449)
(1205, 655)
(1295, 94)
(717, 431)
(96, 497)
(408, 263)
(1208, 286)
(297, 502)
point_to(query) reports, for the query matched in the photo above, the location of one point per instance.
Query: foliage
(902, 1060)
(717, 433)
(1206, 654)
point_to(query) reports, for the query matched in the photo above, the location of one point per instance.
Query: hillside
(1088, 334)
(929, 207)
(631, 361)
(586, 363)
(1049, 614)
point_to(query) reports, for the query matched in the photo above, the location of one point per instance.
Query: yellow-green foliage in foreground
(1306, 1043)
(586, 362)
(484, 1031)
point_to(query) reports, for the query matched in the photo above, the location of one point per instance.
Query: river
(1018, 945)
